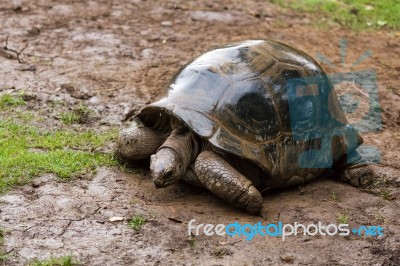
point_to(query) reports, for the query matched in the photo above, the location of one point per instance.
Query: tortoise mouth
(162, 183)
(164, 180)
(165, 169)
(164, 172)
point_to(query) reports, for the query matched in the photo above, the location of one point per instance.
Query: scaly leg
(226, 182)
(138, 142)
(357, 172)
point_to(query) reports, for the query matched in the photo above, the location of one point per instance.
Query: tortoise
(244, 118)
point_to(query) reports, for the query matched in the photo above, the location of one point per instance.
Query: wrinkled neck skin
(184, 143)
(173, 158)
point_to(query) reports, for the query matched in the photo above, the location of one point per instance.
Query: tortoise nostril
(168, 174)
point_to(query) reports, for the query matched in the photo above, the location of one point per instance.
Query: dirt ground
(116, 56)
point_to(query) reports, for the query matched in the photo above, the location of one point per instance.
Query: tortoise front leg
(226, 182)
(138, 142)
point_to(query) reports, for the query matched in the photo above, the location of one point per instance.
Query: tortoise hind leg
(355, 168)
(226, 182)
(361, 176)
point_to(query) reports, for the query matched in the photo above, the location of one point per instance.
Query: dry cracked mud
(116, 56)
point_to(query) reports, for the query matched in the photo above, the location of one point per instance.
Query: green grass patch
(192, 240)
(335, 197)
(80, 114)
(136, 222)
(69, 118)
(3, 257)
(2, 235)
(62, 261)
(26, 152)
(386, 195)
(343, 218)
(356, 14)
(7, 100)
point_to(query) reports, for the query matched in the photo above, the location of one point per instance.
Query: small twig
(105, 90)
(17, 53)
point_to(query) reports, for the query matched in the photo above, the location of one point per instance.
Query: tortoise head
(166, 168)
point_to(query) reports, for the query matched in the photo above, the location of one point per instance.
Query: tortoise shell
(263, 101)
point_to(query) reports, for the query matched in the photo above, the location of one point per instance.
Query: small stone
(116, 219)
(211, 16)
(146, 53)
(35, 30)
(94, 100)
(37, 183)
(287, 258)
(166, 23)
